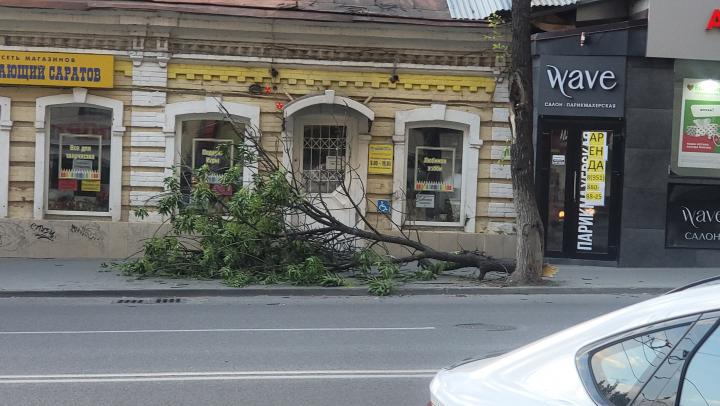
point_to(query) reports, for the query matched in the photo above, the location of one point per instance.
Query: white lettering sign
(580, 79)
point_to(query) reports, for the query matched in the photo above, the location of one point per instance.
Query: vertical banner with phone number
(594, 162)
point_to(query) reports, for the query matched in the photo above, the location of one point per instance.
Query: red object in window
(222, 190)
(67, 184)
(268, 89)
(279, 105)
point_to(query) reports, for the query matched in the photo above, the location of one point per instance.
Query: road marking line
(221, 330)
(218, 376)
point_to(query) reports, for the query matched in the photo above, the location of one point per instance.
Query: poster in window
(80, 157)
(700, 125)
(434, 169)
(216, 154)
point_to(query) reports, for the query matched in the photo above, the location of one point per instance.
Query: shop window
(211, 143)
(79, 159)
(323, 157)
(434, 175)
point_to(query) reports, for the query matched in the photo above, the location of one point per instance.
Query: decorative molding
(256, 50)
(312, 77)
(438, 115)
(5, 127)
(149, 73)
(41, 135)
(80, 95)
(328, 97)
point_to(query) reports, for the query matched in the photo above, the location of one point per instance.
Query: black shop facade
(610, 126)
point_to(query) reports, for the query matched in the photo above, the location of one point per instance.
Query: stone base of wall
(104, 239)
(72, 238)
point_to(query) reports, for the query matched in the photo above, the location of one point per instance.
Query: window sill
(418, 224)
(74, 213)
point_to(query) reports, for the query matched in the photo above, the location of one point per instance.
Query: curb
(333, 292)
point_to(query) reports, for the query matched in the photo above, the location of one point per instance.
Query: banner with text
(56, 69)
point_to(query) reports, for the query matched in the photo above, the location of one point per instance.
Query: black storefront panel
(693, 216)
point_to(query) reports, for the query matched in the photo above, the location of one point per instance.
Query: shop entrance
(579, 187)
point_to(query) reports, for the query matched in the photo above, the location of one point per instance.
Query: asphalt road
(262, 351)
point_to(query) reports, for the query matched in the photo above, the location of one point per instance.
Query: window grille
(323, 166)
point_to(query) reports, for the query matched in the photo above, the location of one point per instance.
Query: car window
(700, 385)
(621, 370)
(662, 387)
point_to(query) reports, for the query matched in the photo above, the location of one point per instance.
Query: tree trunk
(530, 233)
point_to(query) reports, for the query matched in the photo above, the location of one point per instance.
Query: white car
(661, 352)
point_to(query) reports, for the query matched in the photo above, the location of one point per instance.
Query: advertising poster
(380, 159)
(594, 160)
(80, 157)
(434, 169)
(700, 125)
(216, 154)
(592, 185)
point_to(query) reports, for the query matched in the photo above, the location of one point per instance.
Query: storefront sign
(697, 35)
(714, 21)
(380, 159)
(56, 69)
(700, 125)
(581, 86)
(434, 169)
(693, 216)
(80, 157)
(592, 184)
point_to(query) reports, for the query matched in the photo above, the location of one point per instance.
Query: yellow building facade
(99, 106)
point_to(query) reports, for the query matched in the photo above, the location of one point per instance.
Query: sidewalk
(55, 278)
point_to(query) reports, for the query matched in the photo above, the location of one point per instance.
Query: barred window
(323, 164)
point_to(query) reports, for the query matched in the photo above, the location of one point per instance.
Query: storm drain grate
(167, 300)
(159, 300)
(131, 301)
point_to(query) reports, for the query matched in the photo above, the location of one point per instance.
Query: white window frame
(5, 127)
(211, 108)
(438, 115)
(79, 97)
(358, 140)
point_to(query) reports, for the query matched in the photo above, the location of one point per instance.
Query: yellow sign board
(380, 159)
(56, 69)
